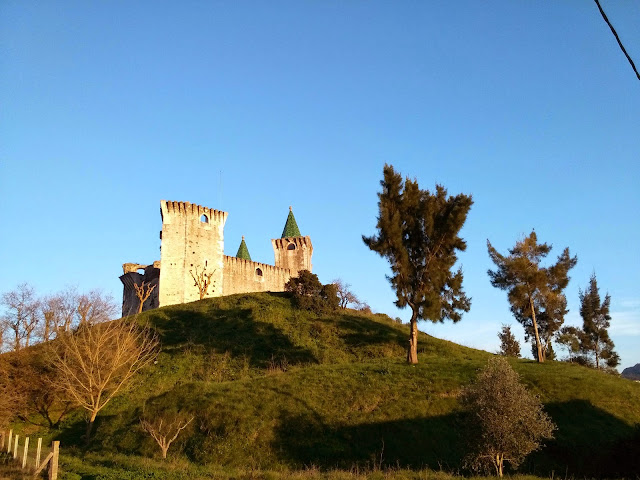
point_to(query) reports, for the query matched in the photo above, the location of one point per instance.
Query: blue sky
(108, 107)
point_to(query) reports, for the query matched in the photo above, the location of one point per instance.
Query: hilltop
(276, 388)
(632, 373)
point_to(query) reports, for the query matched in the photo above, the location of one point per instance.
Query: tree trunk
(597, 356)
(90, 427)
(164, 451)
(412, 353)
(500, 459)
(535, 329)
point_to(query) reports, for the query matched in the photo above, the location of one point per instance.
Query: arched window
(291, 246)
(259, 272)
(204, 219)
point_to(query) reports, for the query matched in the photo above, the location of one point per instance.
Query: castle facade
(192, 248)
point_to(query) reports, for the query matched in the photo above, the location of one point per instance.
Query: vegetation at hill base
(276, 391)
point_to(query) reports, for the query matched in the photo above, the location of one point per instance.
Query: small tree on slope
(509, 346)
(532, 289)
(596, 320)
(418, 234)
(97, 362)
(504, 421)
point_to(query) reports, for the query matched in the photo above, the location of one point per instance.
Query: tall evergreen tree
(596, 321)
(509, 346)
(569, 338)
(532, 289)
(550, 319)
(418, 234)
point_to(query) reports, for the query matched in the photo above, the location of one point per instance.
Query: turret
(292, 250)
(243, 251)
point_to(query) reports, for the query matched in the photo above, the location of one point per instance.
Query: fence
(32, 461)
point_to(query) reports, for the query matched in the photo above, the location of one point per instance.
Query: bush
(310, 294)
(504, 421)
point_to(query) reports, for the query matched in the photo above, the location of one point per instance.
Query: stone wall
(243, 276)
(192, 237)
(131, 277)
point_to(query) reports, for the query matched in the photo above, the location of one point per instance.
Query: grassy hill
(274, 388)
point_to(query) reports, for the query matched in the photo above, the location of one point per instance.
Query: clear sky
(107, 107)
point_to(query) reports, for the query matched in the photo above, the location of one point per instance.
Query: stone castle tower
(192, 241)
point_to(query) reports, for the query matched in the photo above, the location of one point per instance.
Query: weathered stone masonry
(192, 239)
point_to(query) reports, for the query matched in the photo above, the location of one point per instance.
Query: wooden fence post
(39, 449)
(53, 466)
(9, 444)
(15, 448)
(24, 454)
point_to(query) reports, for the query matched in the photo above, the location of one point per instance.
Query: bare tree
(68, 305)
(345, 294)
(95, 307)
(34, 383)
(143, 292)
(96, 362)
(51, 309)
(164, 430)
(8, 397)
(21, 314)
(202, 280)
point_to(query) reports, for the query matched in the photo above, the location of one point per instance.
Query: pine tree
(569, 338)
(509, 346)
(418, 234)
(596, 321)
(535, 292)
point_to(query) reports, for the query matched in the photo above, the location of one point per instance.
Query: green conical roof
(243, 251)
(291, 227)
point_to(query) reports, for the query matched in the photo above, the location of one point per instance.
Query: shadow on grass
(357, 331)
(232, 330)
(302, 439)
(588, 442)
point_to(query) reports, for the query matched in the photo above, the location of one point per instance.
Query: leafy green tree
(550, 319)
(534, 292)
(504, 422)
(596, 322)
(310, 294)
(509, 346)
(569, 338)
(418, 234)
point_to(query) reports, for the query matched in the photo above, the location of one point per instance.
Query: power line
(613, 30)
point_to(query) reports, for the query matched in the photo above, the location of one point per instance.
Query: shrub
(504, 421)
(310, 294)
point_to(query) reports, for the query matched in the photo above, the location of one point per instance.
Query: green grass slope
(272, 387)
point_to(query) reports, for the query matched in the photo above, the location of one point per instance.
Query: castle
(192, 245)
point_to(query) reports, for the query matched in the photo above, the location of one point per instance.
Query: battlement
(241, 276)
(170, 209)
(298, 242)
(248, 265)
